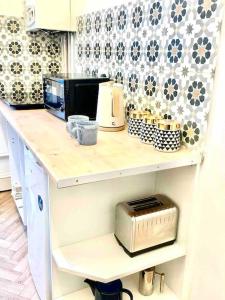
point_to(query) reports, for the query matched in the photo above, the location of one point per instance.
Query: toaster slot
(141, 201)
(146, 206)
(146, 203)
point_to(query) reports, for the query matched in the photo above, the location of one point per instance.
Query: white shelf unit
(82, 226)
(84, 186)
(102, 259)
(130, 283)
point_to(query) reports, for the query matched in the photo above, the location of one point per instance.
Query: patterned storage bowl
(147, 131)
(135, 120)
(167, 136)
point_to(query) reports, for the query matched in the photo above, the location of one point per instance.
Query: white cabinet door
(37, 226)
(12, 8)
(50, 14)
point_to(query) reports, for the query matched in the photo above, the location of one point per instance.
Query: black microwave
(71, 94)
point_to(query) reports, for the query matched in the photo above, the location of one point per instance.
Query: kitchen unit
(74, 190)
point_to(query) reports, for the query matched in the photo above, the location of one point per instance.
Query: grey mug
(72, 123)
(87, 132)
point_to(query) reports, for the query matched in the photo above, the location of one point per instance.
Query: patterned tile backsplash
(24, 57)
(163, 52)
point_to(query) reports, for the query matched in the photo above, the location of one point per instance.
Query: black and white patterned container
(148, 126)
(135, 121)
(167, 136)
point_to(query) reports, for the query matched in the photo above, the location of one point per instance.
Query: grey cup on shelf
(87, 132)
(71, 125)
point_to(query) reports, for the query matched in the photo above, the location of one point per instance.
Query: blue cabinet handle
(40, 203)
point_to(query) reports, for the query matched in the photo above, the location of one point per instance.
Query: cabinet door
(51, 14)
(37, 226)
(78, 8)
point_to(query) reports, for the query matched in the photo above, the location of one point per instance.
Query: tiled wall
(24, 57)
(164, 52)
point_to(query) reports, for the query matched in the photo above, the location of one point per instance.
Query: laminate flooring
(15, 279)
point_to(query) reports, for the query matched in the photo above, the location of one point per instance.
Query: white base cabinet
(70, 223)
(70, 230)
(37, 225)
(83, 245)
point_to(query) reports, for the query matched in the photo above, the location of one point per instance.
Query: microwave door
(54, 97)
(86, 99)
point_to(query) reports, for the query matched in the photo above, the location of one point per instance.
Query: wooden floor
(15, 278)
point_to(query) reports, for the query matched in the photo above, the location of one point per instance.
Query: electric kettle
(110, 109)
(108, 291)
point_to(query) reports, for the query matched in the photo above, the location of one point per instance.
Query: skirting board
(5, 184)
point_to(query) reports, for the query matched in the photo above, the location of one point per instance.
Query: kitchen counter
(68, 163)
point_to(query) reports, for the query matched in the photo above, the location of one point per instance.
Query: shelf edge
(85, 179)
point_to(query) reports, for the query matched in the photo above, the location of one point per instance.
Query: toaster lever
(162, 281)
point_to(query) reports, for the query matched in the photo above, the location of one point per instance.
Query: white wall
(208, 272)
(12, 8)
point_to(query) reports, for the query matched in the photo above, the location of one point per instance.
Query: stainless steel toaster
(146, 224)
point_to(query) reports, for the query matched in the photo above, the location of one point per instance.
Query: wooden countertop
(69, 163)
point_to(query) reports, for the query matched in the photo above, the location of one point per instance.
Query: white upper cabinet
(12, 8)
(48, 15)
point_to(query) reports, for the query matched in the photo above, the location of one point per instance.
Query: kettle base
(111, 129)
(133, 254)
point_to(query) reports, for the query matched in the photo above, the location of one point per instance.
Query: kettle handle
(116, 98)
(128, 293)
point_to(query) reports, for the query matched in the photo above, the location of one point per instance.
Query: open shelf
(102, 259)
(102, 163)
(130, 283)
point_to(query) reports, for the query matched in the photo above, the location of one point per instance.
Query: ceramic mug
(87, 132)
(71, 125)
